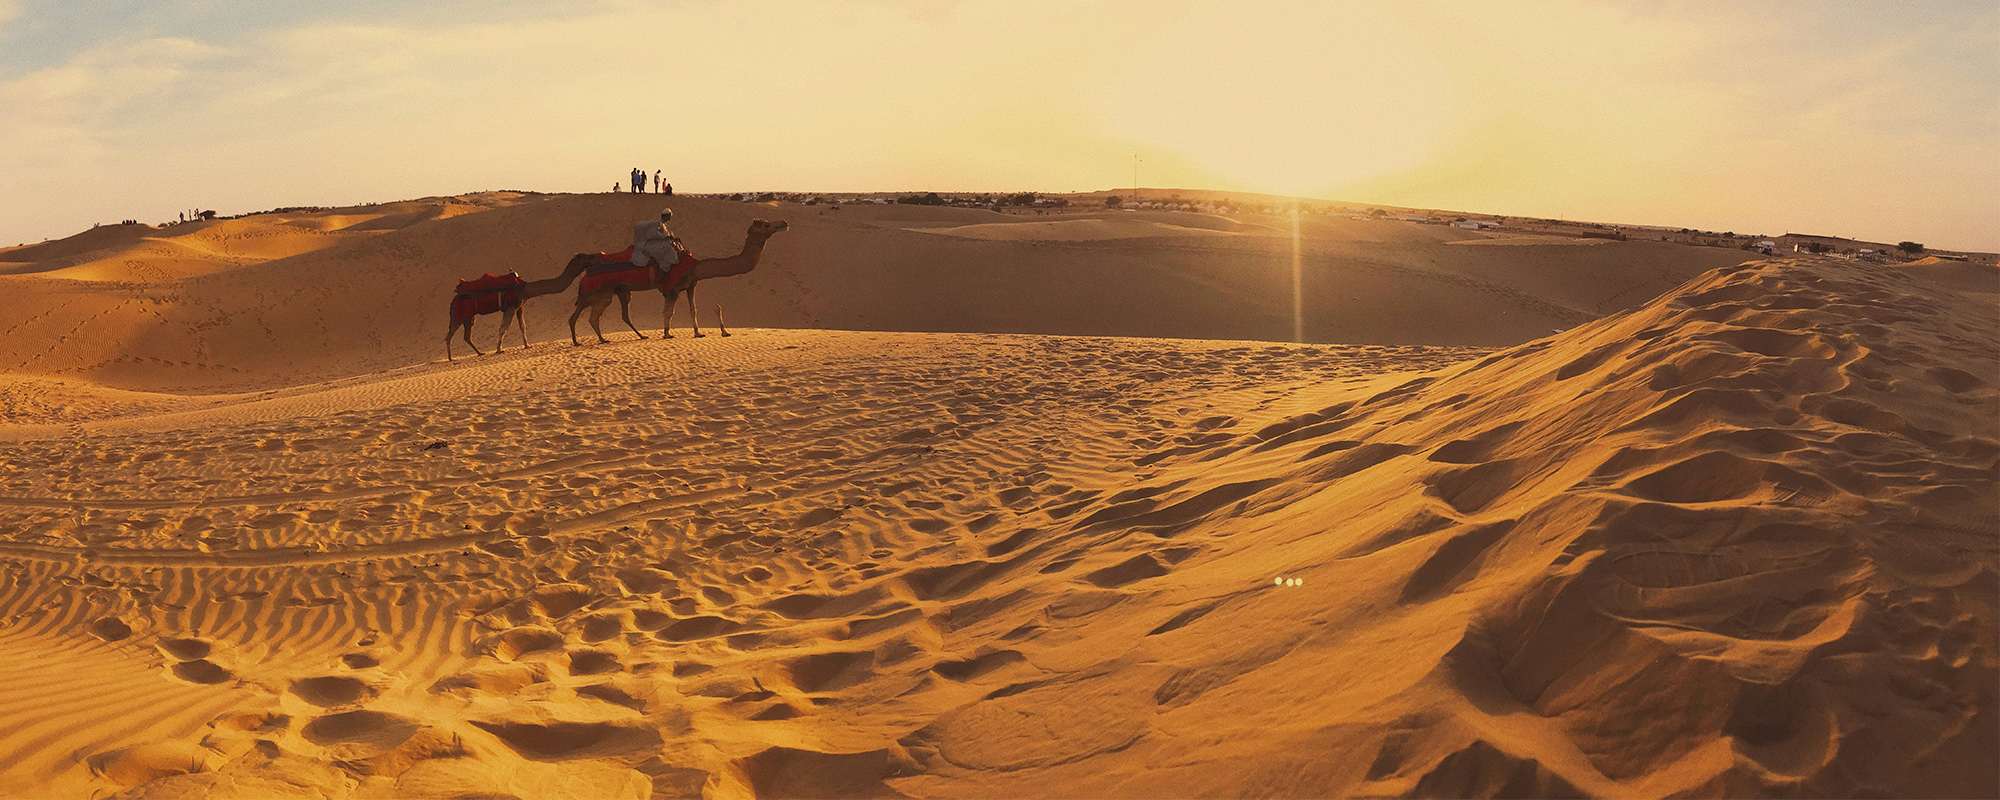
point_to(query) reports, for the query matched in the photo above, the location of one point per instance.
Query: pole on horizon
(1135, 178)
(1298, 279)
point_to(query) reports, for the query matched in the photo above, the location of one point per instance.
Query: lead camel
(598, 298)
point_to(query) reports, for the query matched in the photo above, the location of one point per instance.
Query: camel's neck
(753, 246)
(753, 250)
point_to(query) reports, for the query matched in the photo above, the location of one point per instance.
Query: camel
(510, 305)
(753, 250)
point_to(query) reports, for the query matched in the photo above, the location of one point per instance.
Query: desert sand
(987, 506)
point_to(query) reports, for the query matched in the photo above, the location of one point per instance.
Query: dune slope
(1736, 541)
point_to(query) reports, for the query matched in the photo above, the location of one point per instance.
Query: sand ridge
(1736, 540)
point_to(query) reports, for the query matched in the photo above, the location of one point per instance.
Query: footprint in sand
(110, 629)
(188, 649)
(327, 691)
(359, 734)
(604, 625)
(611, 694)
(201, 671)
(566, 741)
(138, 764)
(359, 660)
(593, 662)
(515, 643)
(1131, 570)
(558, 601)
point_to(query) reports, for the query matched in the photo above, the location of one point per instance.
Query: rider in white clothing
(654, 243)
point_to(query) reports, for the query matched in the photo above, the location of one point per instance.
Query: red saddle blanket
(484, 295)
(606, 273)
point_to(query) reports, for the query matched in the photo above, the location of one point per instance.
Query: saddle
(485, 294)
(617, 269)
(611, 262)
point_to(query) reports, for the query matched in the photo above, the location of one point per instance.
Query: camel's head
(765, 227)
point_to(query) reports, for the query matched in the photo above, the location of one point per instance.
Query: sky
(1875, 120)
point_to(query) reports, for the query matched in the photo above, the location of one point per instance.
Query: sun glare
(1292, 100)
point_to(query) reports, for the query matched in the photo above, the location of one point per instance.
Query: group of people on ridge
(638, 183)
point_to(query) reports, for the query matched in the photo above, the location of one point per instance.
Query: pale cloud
(67, 123)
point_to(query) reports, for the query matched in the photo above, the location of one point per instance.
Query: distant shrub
(925, 199)
(1912, 248)
(1114, 201)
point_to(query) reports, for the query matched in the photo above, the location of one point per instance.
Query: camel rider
(654, 243)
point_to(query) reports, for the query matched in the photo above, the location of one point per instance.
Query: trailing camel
(596, 292)
(505, 294)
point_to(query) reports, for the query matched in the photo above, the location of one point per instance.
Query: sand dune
(1735, 541)
(1520, 240)
(1730, 532)
(284, 299)
(1073, 230)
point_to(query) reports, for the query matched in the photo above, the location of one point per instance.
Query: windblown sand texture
(1736, 540)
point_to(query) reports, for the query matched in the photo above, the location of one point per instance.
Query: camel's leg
(596, 316)
(572, 323)
(693, 318)
(506, 319)
(667, 328)
(468, 337)
(448, 333)
(625, 312)
(521, 322)
(718, 320)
